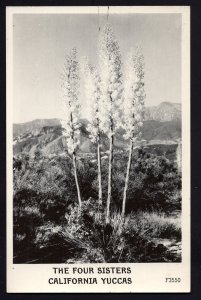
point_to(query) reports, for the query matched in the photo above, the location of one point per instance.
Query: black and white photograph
(98, 116)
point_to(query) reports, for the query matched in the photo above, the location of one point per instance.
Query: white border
(147, 277)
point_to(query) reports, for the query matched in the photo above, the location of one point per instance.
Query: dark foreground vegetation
(49, 228)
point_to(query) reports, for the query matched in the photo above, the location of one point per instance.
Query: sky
(41, 42)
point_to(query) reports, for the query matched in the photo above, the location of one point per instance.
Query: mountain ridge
(46, 134)
(165, 111)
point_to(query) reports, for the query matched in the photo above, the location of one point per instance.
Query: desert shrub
(26, 212)
(43, 174)
(51, 240)
(87, 172)
(53, 207)
(46, 217)
(154, 182)
(31, 211)
(122, 240)
(24, 197)
(55, 176)
(87, 223)
(17, 164)
(174, 201)
(25, 220)
(156, 225)
(85, 237)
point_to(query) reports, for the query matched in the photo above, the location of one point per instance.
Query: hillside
(34, 126)
(50, 140)
(165, 111)
(162, 126)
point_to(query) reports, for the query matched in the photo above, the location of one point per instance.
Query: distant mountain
(165, 111)
(164, 131)
(162, 125)
(51, 141)
(34, 126)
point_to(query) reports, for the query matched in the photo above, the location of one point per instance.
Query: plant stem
(110, 174)
(99, 174)
(76, 180)
(127, 178)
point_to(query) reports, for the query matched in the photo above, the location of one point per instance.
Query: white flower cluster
(71, 107)
(110, 65)
(134, 95)
(93, 91)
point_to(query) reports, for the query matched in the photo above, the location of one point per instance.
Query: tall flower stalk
(71, 106)
(93, 91)
(133, 107)
(111, 76)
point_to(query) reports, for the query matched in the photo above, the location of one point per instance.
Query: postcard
(98, 149)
